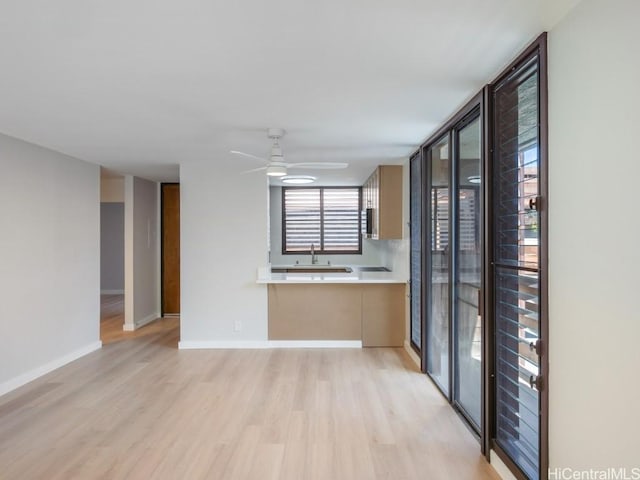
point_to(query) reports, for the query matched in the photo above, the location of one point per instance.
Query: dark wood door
(170, 249)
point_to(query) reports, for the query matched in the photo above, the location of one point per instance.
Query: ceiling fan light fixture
(475, 179)
(276, 171)
(298, 179)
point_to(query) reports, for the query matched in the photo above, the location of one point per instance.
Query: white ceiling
(140, 86)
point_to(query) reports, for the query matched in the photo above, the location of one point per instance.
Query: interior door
(170, 194)
(517, 268)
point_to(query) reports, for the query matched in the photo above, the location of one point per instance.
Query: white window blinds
(328, 218)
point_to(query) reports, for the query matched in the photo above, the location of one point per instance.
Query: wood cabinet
(382, 201)
(315, 312)
(373, 313)
(383, 314)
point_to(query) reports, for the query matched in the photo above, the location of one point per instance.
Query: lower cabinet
(373, 313)
(383, 317)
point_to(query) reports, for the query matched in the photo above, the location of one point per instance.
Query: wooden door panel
(170, 248)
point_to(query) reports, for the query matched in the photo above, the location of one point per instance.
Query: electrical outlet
(237, 326)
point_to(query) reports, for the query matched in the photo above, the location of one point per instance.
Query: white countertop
(356, 276)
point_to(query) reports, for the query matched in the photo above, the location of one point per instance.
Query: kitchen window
(329, 218)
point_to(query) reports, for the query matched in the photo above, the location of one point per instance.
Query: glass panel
(416, 250)
(469, 275)
(438, 295)
(516, 254)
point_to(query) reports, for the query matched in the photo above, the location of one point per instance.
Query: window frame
(320, 250)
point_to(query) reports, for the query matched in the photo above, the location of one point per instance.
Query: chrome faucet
(314, 257)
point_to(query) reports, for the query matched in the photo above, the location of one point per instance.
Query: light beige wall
(594, 233)
(112, 190)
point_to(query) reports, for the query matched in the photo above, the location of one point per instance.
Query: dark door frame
(417, 156)
(484, 100)
(472, 109)
(537, 48)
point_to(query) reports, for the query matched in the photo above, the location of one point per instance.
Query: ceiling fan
(275, 166)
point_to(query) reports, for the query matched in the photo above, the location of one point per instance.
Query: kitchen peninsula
(360, 307)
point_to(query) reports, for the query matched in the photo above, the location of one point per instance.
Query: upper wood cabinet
(382, 203)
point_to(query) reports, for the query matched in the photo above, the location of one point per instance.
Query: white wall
(112, 247)
(142, 252)
(371, 249)
(223, 242)
(49, 260)
(594, 234)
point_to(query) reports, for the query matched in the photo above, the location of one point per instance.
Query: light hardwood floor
(142, 409)
(112, 320)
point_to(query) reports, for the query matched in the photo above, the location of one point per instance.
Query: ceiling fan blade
(319, 165)
(253, 170)
(248, 155)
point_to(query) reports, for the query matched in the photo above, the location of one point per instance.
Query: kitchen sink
(311, 269)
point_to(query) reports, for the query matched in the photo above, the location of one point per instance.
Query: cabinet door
(383, 308)
(375, 201)
(366, 205)
(389, 202)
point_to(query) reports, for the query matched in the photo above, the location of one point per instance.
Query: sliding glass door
(467, 318)
(482, 292)
(415, 214)
(453, 276)
(438, 265)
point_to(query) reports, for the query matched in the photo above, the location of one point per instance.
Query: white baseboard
(111, 292)
(31, 375)
(127, 327)
(315, 343)
(186, 345)
(247, 344)
(501, 469)
(412, 353)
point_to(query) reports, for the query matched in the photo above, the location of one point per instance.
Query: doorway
(112, 254)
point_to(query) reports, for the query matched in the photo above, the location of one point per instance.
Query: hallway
(112, 320)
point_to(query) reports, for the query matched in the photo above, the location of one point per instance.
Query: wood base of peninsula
(373, 313)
